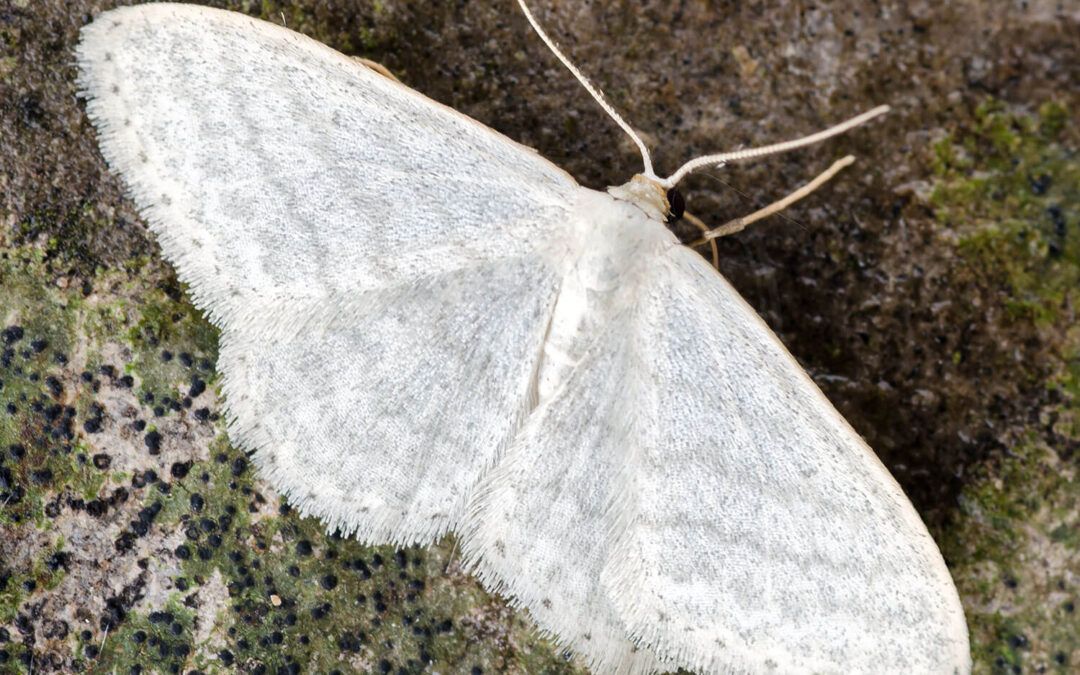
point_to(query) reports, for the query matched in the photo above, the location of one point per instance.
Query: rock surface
(929, 290)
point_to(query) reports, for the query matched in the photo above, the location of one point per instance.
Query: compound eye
(677, 204)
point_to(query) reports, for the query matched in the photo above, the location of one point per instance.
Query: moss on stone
(1005, 186)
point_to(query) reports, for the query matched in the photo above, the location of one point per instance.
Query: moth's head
(651, 197)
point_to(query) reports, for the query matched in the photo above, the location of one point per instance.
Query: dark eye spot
(677, 204)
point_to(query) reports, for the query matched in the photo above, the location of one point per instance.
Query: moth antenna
(596, 93)
(755, 153)
(738, 224)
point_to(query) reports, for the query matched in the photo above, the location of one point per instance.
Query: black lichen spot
(102, 461)
(57, 560)
(153, 442)
(11, 334)
(361, 568)
(54, 386)
(197, 502)
(166, 356)
(198, 386)
(1057, 218)
(158, 616)
(329, 582)
(41, 476)
(179, 470)
(349, 642)
(96, 508)
(303, 547)
(141, 526)
(239, 466)
(186, 360)
(1040, 185)
(125, 542)
(141, 480)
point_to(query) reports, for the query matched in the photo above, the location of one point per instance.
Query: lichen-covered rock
(929, 290)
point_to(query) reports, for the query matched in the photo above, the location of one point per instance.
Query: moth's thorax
(613, 233)
(644, 193)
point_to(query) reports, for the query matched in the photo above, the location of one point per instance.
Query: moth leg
(377, 67)
(739, 224)
(705, 238)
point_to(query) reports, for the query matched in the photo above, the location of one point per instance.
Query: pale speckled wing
(372, 256)
(271, 166)
(541, 519)
(762, 534)
(690, 493)
(381, 414)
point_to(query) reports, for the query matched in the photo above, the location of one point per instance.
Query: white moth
(427, 327)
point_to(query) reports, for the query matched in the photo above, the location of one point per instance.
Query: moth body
(613, 233)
